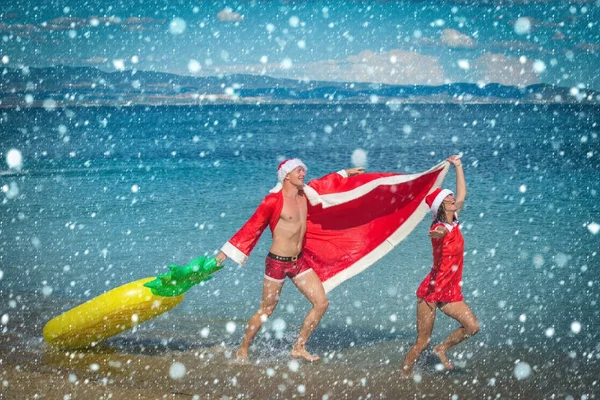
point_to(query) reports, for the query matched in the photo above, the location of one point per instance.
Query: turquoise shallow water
(110, 195)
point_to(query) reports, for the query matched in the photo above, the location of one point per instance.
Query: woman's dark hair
(441, 215)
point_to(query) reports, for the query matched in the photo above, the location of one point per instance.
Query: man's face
(296, 177)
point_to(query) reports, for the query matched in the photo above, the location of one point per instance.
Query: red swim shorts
(276, 270)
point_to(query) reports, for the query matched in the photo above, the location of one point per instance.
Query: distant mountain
(86, 86)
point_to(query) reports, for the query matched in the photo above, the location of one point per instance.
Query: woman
(441, 288)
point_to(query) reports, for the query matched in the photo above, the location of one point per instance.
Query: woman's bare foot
(242, 354)
(406, 371)
(301, 352)
(441, 353)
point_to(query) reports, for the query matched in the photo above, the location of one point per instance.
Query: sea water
(110, 195)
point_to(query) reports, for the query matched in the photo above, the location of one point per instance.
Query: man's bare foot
(301, 352)
(241, 354)
(441, 353)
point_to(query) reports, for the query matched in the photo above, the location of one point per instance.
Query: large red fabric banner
(362, 218)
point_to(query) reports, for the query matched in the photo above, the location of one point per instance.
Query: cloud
(142, 24)
(10, 15)
(95, 60)
(498, 68)
(535, 22)
(587, 47)
(74, 23)
(508, 3)
(18, 29)
(425, 41)
(228, 15)
(395, 67)
(455, 39)
(62, 60)
(64, 23)
(106, 21)
(516, 45)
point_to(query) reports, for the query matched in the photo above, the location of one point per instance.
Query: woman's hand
(455, 160)
(438, 233)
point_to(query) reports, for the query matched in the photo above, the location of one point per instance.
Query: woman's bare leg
(425, 320)
(270, 297)
(461, 312)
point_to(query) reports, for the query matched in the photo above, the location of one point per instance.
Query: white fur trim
(277, 188)
(273, 279)
(453, 224)
(302, 273)
(312, 195)
(393, 240)
(234, 253)
(288, 167)
(439, 199)
(334, 199)
(448, 226)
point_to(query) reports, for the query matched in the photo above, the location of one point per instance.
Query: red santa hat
(284, 168)
(434, 200)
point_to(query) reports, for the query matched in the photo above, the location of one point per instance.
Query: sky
(405, 42)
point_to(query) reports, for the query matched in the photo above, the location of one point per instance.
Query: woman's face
(450, 203)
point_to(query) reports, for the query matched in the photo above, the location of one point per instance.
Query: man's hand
(221, 257)
(355, 171)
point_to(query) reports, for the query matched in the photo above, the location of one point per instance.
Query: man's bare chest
(294, 210)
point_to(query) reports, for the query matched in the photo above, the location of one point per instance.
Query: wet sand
(357, 363)
(139, 368)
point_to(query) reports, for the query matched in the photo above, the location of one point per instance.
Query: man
(285, 210)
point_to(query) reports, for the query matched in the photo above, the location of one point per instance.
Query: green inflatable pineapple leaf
(180, 279)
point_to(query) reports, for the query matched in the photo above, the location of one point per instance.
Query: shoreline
(257, 102)
(132, 367)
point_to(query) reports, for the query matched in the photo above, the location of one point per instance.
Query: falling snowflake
(230, 327)
(522, 26)
(594, 228)
(14, 159)
(177, 26)
(177, 370)
(359, 158)
(522, 370)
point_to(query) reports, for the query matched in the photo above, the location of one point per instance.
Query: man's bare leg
(311, 287)
(461, 312)
(270, 297)
(425, 320)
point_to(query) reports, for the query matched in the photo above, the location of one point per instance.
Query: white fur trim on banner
(312, 195)
(335, 199)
